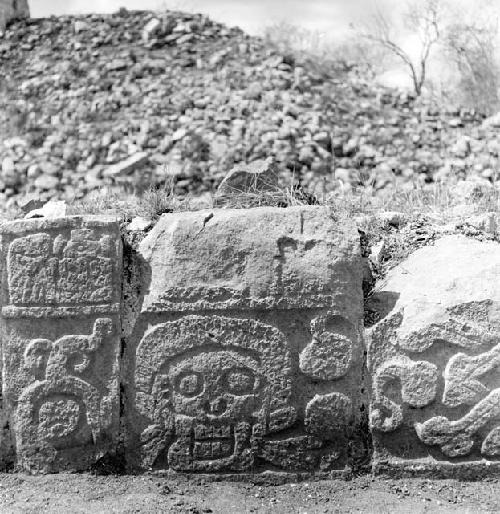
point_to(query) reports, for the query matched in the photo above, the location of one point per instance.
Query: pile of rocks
(138, 98)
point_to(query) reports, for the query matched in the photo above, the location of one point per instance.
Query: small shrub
(157, 201)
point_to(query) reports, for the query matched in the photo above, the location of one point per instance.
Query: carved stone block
(60, 267)
(60, 341)
(246, 350)
(434, 358)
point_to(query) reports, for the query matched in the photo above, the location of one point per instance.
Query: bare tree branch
(422, 18)
(472, 45)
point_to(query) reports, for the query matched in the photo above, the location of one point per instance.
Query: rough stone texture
(12, 9)
(246, 348)
(268, 258)
(68, 265)
(227, 341)
(52, 209)
(200, 98)
(434, 360)
(61, 286)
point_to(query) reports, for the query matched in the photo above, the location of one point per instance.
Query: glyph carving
(61, 409)
(44, 269)
(463, 333)
(60, 321)
(463, 386)
(450, 404)
(418, 381)
(491, 443)
(455, 438)
(330, 353)
(328, 414)
(462, 377)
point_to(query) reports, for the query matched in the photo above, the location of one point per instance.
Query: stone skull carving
(216, 398)
(213, 392)
(216, 385)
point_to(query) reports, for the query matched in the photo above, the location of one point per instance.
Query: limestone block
(60, 266)
(60, 341)
(261, 258)
(434, 359)
(246, 351)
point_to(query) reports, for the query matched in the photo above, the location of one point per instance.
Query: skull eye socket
(240, 381)
(189, 384)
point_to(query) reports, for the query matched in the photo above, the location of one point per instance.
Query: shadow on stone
(378, 306)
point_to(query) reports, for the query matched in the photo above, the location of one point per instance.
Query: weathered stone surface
(267, 258)
(434, 360)
(241, 351)
(52, 209)
(62, 265)
(29, 203)
(151, 28)
(60, 341)
(246, 351)
(139, 224)
(128, 165)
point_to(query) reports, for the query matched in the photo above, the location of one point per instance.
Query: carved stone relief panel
(434, 361)
(235, 375)
(60, 341)
(226, 394)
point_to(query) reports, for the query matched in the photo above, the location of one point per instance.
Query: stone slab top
(21, 226)
(260, 258)
(434, 279)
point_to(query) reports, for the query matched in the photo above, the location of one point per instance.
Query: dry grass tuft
(271, 197)
(103, 201)
(151, 204)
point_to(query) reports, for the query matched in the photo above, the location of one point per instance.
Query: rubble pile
(138, 98)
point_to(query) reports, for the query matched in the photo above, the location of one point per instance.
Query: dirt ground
(65, 493)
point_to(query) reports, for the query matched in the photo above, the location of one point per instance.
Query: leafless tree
(422, 18)
(472, 47)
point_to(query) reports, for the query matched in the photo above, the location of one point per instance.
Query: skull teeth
(213, 450)
(213, 442)
(202, 432)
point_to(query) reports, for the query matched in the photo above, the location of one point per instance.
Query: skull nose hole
(216, 407)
